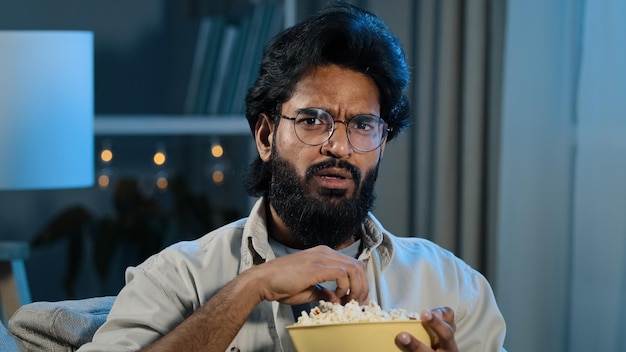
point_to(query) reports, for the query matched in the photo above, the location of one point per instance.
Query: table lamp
(46, 129)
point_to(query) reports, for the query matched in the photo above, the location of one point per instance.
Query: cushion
(59, 326)
(8, 343)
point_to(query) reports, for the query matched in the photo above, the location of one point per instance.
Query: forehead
(337, 90)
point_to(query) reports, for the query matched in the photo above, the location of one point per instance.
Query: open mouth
(334, 173)
(334, 178)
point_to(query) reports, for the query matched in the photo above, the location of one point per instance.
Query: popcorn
(352, 312)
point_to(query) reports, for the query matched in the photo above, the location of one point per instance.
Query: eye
(364, 124)
(313, 118)
(308, 120)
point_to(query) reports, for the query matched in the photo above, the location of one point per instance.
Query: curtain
(457, 51)
(535, 181)
(562, 208)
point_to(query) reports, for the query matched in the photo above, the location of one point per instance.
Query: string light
(104, 175)
(217, 170)
(104, 181)
(103, 178)
(159, 158)
(218, 177)
(106, 155)
(217, 151)
(161, 182)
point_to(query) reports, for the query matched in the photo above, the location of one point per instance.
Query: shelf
(152, 125)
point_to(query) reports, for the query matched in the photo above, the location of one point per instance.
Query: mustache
(354, 171)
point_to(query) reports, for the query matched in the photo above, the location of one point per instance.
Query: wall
(135, 49)
(597, 320)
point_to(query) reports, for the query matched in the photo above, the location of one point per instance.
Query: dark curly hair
(339, 34)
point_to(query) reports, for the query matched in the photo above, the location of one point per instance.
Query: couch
(61, 326)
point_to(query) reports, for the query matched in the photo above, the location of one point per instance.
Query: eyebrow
(333, 115)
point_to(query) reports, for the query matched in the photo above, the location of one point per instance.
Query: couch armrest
(59, 326)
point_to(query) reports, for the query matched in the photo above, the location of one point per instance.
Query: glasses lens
(313, 126)
(367, 132)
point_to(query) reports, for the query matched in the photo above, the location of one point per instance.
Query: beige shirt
(409, 273)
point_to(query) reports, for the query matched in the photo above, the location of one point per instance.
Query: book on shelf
(232, 71)
(247, 63)
(202, 41)
(227, 58)
(272, 24)
(207, 76)
(226, 53)
(209, 33)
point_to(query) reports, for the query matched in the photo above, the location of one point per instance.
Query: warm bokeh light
(106, 155)
(217, 176)
(217, 151)
(161, 183)
(103, 181)
(159, 158)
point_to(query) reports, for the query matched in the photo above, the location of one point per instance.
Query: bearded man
(329, 96)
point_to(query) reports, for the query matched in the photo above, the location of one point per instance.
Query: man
(330, 94)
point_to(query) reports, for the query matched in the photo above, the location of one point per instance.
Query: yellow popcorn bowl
(362, 337)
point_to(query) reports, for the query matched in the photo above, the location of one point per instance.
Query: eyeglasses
(315, 126)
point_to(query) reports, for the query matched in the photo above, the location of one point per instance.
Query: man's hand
(440, 322)
(294, 279)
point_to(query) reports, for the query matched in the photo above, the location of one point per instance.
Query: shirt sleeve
(137, 319)
(480, 327)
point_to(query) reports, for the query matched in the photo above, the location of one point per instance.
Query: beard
(324, 217)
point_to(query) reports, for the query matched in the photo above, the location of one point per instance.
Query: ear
(263, 136)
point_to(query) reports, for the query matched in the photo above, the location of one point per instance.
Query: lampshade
(46, 109)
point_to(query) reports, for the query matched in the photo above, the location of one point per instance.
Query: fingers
(351, 281)
(407, 343)
(292, 279)
(440, 321)
(348, 273)
(320, 293)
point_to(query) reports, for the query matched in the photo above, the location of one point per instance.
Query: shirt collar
(255, 247)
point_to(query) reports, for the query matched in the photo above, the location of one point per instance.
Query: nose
(338, 144)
